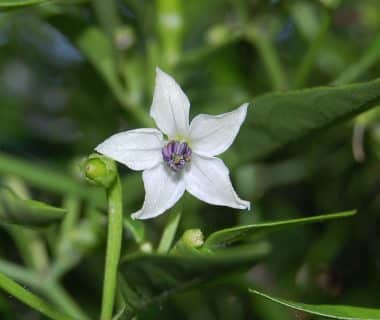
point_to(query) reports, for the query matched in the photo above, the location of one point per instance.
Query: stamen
(176, 154)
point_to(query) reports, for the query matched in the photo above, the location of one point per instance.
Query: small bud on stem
(100, 170)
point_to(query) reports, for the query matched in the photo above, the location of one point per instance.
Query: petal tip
(247, 205)
(245, 105)
(99, 148)
(159, 72)
(137, 215)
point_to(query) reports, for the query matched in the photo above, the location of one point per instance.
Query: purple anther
(176, 154)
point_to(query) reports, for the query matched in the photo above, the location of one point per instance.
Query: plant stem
(114, 239)
(170, 229)
(30, 299)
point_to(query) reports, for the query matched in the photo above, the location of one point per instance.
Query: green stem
(30, 299)
(170, 229)
(308, 61)
(114, 239)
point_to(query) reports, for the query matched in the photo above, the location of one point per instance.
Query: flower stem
(114, 239)
(170, 229)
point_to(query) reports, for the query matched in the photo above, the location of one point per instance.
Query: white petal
(138, 149)
(212, 135)
(163, 188)
(208, 180)
(170, 106)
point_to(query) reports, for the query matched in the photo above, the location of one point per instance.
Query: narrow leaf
(170, 229)
(228, 236)
(278, 119)
(46, 178)
(329, 311)
(14, 210)
(21, 3)
(14, 289)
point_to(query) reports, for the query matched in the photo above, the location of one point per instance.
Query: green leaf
(30, 299)
(170, 229)
(278, 119)
(228, 236)
(21, 3)
(329, 311)
(151, 278)
(46, 178)
(25, 3)
(14, 210)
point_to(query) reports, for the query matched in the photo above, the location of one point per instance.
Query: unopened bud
(100, 170)
(189, 243)
(193, 238)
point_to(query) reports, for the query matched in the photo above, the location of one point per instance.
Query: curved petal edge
(212, 135)
(208, 180)
(163, 188)
(138, 149)
(170, 106)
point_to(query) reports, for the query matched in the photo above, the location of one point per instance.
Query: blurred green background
(74, 72)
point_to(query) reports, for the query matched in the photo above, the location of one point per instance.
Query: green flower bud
(189, 243)
(193, 238)
(100, 170)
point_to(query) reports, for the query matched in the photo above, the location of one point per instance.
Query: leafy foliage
(329, 311)
(73, 72)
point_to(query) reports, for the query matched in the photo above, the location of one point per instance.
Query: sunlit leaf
(329, 311)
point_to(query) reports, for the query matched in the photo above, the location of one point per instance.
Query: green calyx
(100, 170)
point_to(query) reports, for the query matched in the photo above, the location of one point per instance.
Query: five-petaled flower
(185, 159)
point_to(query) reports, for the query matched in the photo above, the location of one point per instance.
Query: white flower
(186, 159)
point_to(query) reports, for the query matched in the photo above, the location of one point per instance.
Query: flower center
(176, 154)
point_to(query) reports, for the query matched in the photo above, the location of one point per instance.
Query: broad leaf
(228, 236)
(277, 119)
(152, 278)
(14, 210)
(329, 311)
